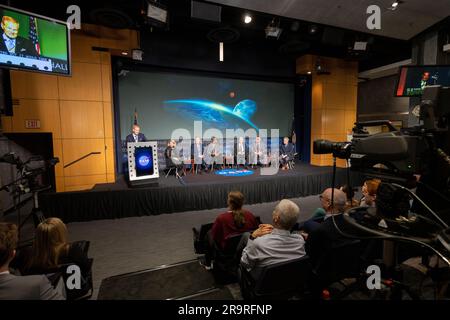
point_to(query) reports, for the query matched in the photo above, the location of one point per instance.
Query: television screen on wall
(34, 43)
(413, 79)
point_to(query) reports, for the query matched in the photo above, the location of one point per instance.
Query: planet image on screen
(144, 161)
(214, 114)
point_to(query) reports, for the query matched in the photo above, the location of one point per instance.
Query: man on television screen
(135, 135)
(11, 42)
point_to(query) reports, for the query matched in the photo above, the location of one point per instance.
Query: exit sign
(32, 124)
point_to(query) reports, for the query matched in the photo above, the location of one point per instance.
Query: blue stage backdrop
(167, 101)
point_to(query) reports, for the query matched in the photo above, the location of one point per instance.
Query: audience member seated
(350, 194)
(198, 155)
(369, 191)
(51, 249)
(173, 159)
(287, 152)
(235, 221)
(213, 155)
(20, 287)
(258, 153)
(321, 237)
(274, 243)
(240, 152)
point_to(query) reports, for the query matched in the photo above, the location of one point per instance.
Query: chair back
(282, 280)
(340, 262)
(200, 238)
(231, 244)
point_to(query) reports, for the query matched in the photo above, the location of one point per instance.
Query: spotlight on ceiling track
(273, 30)
(247, 18)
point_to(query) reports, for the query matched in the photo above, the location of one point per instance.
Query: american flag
(33, 35)
(135, 117)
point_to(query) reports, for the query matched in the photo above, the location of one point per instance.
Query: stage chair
(226, 261)
(279, 281)
(176, 172)
(291, 163)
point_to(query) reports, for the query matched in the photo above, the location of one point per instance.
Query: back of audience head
(339, 201)
(235, 202)
(285, 215)
(8, 244)
(49, 244)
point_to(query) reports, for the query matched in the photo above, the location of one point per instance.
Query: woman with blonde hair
(52, 249)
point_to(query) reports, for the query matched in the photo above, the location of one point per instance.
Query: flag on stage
(33, 35)
(135, 117)
(293, 134)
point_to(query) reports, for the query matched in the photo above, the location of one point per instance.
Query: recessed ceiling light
(247, 18)
(124, 53)
(309, 72)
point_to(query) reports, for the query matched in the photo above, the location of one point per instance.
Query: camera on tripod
(399, 158)
(30, 172)
(30, 179)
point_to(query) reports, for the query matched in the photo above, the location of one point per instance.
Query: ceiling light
(124, 53)
(395, 4)
(309, 72)
(247, 18)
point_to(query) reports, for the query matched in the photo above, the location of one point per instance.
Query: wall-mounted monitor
(413, 79)
(34, 43)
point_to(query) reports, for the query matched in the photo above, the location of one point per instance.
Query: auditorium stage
(200, 192)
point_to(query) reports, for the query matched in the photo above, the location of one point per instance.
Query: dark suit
(325, 236)
(287, 150)
(141, 138)
(23, 46)
(27, 288)
(173, 159)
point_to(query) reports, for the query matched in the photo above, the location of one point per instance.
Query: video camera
(399, 158)
(400, 154)
(30, 171)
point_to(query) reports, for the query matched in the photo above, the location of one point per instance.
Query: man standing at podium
(135, 135)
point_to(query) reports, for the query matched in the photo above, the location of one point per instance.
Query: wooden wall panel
(108, 119)
(106, 83)
(84, 85)
(82, 119)
(6, 123)
(31, 85)
(333, 102)
(60, 184)
(77, 110)
(78, 188)
(74, 149)
(334, 121)
(316, 121)
(82, 48)
(110, 157)
(58, 152)
(46, 111)
(84, 180)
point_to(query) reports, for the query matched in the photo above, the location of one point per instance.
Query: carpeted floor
(135, 244)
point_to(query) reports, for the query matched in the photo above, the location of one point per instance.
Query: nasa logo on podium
(142, 164)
